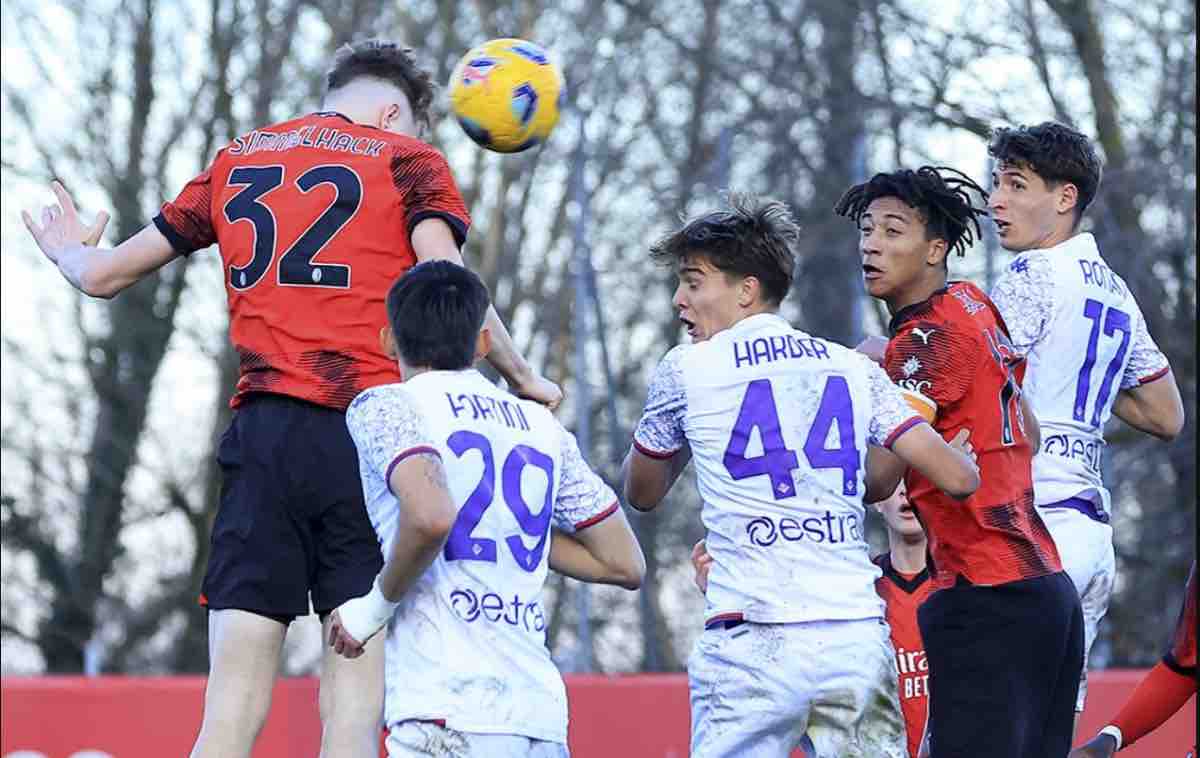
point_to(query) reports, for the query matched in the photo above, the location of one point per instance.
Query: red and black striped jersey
(313, 219)
(953, 349)
(903, 594)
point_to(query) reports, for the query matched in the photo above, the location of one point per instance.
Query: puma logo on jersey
(923, 335)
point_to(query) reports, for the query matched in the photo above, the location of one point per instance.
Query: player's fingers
(64, 199)
(97, 229)
(32, 226)
(47, 216)
(697, 550)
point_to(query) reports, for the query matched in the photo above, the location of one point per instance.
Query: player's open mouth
(689, 326)
(1001, 226)
(871, 272)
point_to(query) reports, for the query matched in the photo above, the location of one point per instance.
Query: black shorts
(292, 520)
(1004, 665)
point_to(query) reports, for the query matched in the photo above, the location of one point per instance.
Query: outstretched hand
(61, 226)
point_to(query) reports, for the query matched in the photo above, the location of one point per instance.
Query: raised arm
(648, 478)
(94, 271)
(432, 239)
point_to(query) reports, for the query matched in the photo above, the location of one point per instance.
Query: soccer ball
(506, 94)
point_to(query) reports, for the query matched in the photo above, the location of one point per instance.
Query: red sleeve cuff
(1160, 694)
(658, 455)
(895, 435)
(1155, 376)
(418, 450)
(610, 510)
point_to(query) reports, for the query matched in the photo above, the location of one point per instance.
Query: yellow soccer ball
(506, 94)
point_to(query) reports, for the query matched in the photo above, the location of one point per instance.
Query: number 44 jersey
(313, 218)
(778, 423)
(466, 647)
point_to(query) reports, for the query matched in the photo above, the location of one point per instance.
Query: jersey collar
(751, 322)
(914, 309)
(908, 585)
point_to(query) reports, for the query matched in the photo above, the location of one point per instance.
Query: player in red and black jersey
(904, 586)
(315, 218)
(1003, 631)
(1164, 690)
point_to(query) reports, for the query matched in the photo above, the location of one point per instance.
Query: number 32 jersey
(313, 218)
(467, 646)
(778, 423)
(1085, 339)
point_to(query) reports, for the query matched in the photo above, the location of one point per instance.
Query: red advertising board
(637, 716)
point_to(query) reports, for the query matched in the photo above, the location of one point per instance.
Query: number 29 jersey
(778, 423)
(313, 219)
(467, 646)
(1084, 339)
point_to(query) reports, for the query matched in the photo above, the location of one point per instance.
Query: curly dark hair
(753, 236)
(388, 61)
(941, 195)
(1055, 152)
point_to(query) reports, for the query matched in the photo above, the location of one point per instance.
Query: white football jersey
(1085, 339)
(467, 646)
(778, 422)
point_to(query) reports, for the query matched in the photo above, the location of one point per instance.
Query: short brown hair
(1056, 153)
(387, 61)
(753, 236)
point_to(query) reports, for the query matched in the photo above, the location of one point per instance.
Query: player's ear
(937, 252)
(749, 291)
(1068, 197)
(388, 342)
(483, 343)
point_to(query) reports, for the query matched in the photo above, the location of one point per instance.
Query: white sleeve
(659, 432)
(1146, 361)
(891, 415)
(1024, 296)
(583, 497)
(387, 427)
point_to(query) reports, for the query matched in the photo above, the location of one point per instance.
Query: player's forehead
(892, 208)
(1015, 168)
(695, 263)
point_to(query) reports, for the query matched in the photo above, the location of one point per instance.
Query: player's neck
(918, 292)
(1055, 238)
(907, 556)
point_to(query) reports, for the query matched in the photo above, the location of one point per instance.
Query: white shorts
(1086, 549)
(758, 689)
(410, 739)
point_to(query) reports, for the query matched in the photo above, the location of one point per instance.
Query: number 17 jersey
(778, 423)
(313, 219)
(467, 646)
